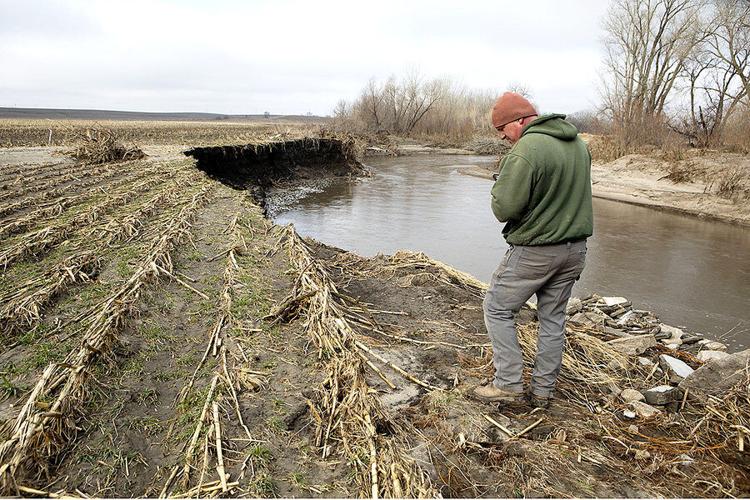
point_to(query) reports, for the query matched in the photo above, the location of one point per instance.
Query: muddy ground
(187, 360)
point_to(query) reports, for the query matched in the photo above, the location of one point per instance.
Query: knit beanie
(510, 107)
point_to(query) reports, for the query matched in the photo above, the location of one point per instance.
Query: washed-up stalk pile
(102, 146)
(22, 305)
(424, 265)
(724, 423)
(345, 412)
(47, 420)
(587, 360)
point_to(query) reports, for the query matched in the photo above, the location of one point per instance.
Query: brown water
(690, 272)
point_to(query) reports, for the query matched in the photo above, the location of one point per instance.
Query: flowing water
(690, 272)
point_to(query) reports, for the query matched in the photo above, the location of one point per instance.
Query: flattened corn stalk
(60, 205)
(42, 430)
(345, 412)
(21, 307)
(36, 187)
(222, 385)
(42, 240)
(9, 170)
(24, 303)
(32, 176)
(130, 174)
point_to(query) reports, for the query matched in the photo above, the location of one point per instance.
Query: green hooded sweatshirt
(544, 187)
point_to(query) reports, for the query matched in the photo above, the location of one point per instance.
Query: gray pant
(548, 271)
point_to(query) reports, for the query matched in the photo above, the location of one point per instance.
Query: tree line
(671, 68)
(677, 64)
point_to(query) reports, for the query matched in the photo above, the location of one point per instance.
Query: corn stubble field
(161, 337)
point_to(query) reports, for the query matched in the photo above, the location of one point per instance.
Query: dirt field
(161, 337)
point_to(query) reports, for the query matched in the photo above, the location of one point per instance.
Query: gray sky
(289, 57)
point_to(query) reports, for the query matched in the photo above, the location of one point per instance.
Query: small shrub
(730, 185)
(679, 172)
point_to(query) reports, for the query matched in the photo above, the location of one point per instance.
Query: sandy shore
(640, 180)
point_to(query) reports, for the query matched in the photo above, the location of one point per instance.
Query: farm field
(160, 337)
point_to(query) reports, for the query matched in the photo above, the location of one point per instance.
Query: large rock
(632, 346)
(712, 345)
(675, 334)
(675, 368)
(717, 376)
(644, 410)
(708, 355)
(630, 395)
(662, 395)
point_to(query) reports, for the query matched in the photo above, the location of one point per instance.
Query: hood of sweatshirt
(554, 125)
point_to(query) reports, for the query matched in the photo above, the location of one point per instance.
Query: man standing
(543, 193)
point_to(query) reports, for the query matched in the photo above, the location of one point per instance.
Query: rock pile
(677, 361)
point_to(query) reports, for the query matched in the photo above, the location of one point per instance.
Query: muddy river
(690, 272)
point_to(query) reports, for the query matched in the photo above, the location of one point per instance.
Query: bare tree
(647, 44)
(414, 105)
(717, 72)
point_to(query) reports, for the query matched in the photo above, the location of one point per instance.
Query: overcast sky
(288, 57)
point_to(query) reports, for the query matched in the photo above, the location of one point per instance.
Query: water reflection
(689, 271)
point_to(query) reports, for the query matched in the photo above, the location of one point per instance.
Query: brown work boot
(491, 394)
(539, 401)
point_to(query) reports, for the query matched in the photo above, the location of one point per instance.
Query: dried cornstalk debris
(33, 177)
(41, 240)
(60, 203)
(22, 306)
(222, 386)
(56, 194)
(586, 360)
(47, 420)
(67, 177)
(345, 413)
(103, 146)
